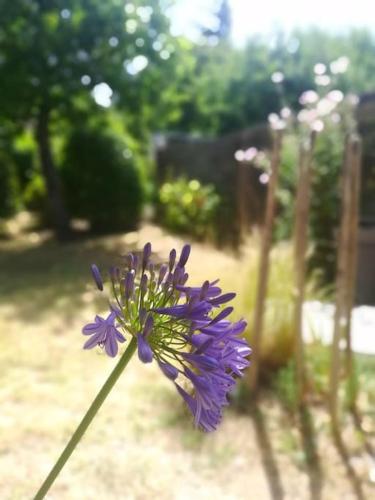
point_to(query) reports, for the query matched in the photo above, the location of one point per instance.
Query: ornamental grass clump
(184, 329)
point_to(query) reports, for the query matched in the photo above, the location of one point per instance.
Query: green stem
(87, 419)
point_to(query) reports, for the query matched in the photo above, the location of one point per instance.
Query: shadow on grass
(357, 419)
(267, 454)
(350, 471)
(49, 277)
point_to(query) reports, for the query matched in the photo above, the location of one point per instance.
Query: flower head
(185, 329)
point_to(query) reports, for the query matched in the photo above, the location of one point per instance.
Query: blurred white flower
(325, 106)
(335, 118)
(264, 178)
(280, 125)
(276, 123)
(250, 154)
(323, 80)
(277, 77)
(307, 115)
(340, 65)
(239, 155)
(308, 97)
(285, 113)
(317, 125)
(273, 118)
(335, 96)
(320, 69)
(247, 155)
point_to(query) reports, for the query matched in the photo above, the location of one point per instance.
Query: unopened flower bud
(172, 259)
(146, 255)
(185, 252)
(148, 326)
(143, 285)
(162, 273)
(97, 276)
(129, 284)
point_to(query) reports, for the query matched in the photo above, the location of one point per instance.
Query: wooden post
(341, 289)
(302, 209)
(242, 206)
(264, 259)
(355, 176)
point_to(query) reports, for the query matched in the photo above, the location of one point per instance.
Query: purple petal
(226, 297)
(185, 252)
(93, 341)
(129, 284)
(202, 361)
(119, 336)
(90, 328)
(148, 326)
(145, 353)
(111, 347)
(222, 314)
(169, 371)
(162, 273)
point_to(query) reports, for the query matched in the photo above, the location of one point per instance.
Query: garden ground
(142, 444)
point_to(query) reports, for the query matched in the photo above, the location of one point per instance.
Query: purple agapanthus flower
(104, 334)
(185, 329)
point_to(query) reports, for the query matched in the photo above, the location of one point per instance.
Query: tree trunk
(59, 214)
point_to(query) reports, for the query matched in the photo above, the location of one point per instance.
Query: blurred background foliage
(85, 84)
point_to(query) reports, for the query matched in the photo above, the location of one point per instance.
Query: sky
(250, 17)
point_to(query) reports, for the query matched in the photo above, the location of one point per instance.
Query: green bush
(35, 199)
(100, 183)
(189, 207)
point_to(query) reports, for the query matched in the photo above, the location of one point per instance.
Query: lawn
(142, 445)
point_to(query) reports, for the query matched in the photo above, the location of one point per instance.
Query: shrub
(100, 183)
(189, 207)
(35, 199)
